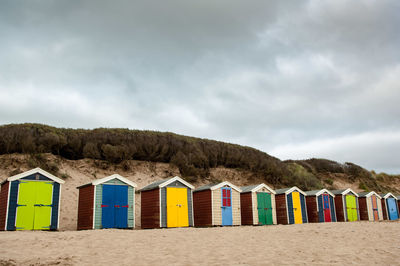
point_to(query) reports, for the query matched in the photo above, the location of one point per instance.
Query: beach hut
(217, 205)
(346, 204)
(320, 206)
(30, 201)
(370, 206)
(257, 205)
(167, 203)
(108, 202)
(291, 206)
(390, 207)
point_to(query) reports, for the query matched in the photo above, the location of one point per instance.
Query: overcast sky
(296, 79)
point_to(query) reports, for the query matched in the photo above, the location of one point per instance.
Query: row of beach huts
(31, 201)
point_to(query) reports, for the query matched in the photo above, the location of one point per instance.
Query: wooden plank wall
(379, 202)
(254, 206)
(247, 207)
(384, 212)
(281, 211)
(339, 208)
(150, 208)
(216, 207)
(364, 209)
(202, 208)
(236, 217)
(312, 210)
(85, 208)
(274, 208)
(3, 204)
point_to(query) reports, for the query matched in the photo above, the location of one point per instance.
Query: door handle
(125, 206)
(104, 205)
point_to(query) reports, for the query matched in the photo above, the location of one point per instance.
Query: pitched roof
(387, 195)
(366, 194)
(165, 182)
(108, 178)
(344, 191)
(218, 185)
(289, 190)
(319, 192)
(36, 171)
(255, 188)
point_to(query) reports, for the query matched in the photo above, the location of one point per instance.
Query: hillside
(193, 157)
(79, 156)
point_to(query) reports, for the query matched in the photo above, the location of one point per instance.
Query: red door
(375, 208)
(327, 209)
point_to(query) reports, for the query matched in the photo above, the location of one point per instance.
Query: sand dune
(322, 244)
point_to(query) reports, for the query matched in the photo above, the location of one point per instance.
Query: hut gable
(36, 174)
(114, 179)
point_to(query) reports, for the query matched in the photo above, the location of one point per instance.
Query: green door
(351, 208)
(34, 205)
(264, 207)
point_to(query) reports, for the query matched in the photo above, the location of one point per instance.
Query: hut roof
(255, 188)
(166, 182)
(319, 192)
(218, 185)
(289, 190)
(367, 194)
(387, 195)
(344, 191)
(108, 178)
(35, 171)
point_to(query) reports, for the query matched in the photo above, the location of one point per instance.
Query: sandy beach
(326, 244)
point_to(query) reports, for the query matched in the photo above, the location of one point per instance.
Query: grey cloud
(275, 75)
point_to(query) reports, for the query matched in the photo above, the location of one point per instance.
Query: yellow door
(177, 207)
(297, 208)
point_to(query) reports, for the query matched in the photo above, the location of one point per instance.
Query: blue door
(226, 206)
(393, 214)
(114, 206)
(121, 209)
(107, 207)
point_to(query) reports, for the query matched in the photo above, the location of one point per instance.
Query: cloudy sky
(296, 79)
